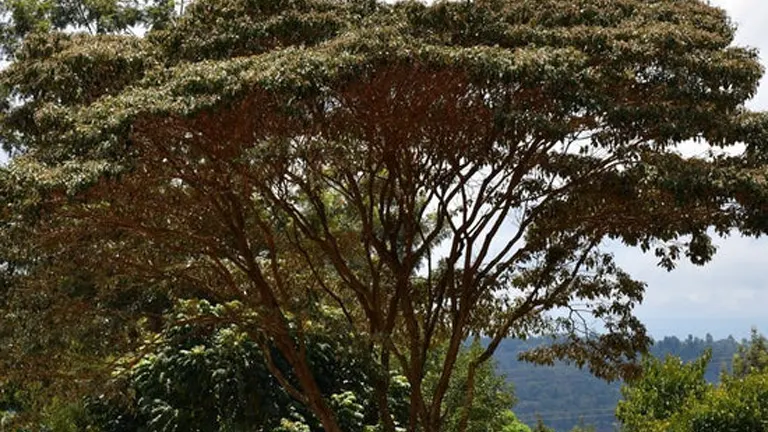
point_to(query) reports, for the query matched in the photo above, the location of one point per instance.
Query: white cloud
(730, 293)
(749, 16)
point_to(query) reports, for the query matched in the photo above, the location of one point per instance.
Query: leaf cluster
(673, 396)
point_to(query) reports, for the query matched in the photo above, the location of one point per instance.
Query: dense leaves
(22, 18)
(204, 374)
(673, 396)
(666, 386)
(751, 356)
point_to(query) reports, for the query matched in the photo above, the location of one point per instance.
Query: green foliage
(510, 423)
(673, 396)
(66, 416)
(752, 356)
(541, 427)
(204, 373)
(737, 405)
(493, 395)
(20, 18)
(665, 387)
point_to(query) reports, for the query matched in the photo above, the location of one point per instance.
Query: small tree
(737, 405)
(752, 355)
(674, 397)
(665, 388)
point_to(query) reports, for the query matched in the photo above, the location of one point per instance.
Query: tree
(434, 172)
(752, 356)
(510, 423)
(739, 404)
(541, 427)
(20, 18)
(674, 397)
(492, 395)
(665, 388)
(203, 373)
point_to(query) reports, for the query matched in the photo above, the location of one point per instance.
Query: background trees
(751, 356)
(667, 385)
(673, 396)
(295, 155)
(203, 373)
(561, 394)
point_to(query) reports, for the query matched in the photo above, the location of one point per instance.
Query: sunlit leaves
(672, 396)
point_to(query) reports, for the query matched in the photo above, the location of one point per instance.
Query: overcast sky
(730, 294)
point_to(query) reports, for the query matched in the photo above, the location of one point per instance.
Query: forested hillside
(563, 395)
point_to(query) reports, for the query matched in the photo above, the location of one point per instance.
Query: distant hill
(562, 395)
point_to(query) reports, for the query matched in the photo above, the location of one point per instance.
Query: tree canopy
(752, 356)
(666, 386)
(432, 171)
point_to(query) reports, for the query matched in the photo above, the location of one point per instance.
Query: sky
(730, 294)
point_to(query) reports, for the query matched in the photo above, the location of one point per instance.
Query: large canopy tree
(432, 171)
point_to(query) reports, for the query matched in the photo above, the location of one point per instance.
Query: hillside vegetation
(564, 396)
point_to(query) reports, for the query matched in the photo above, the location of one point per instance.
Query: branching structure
(433, 172)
